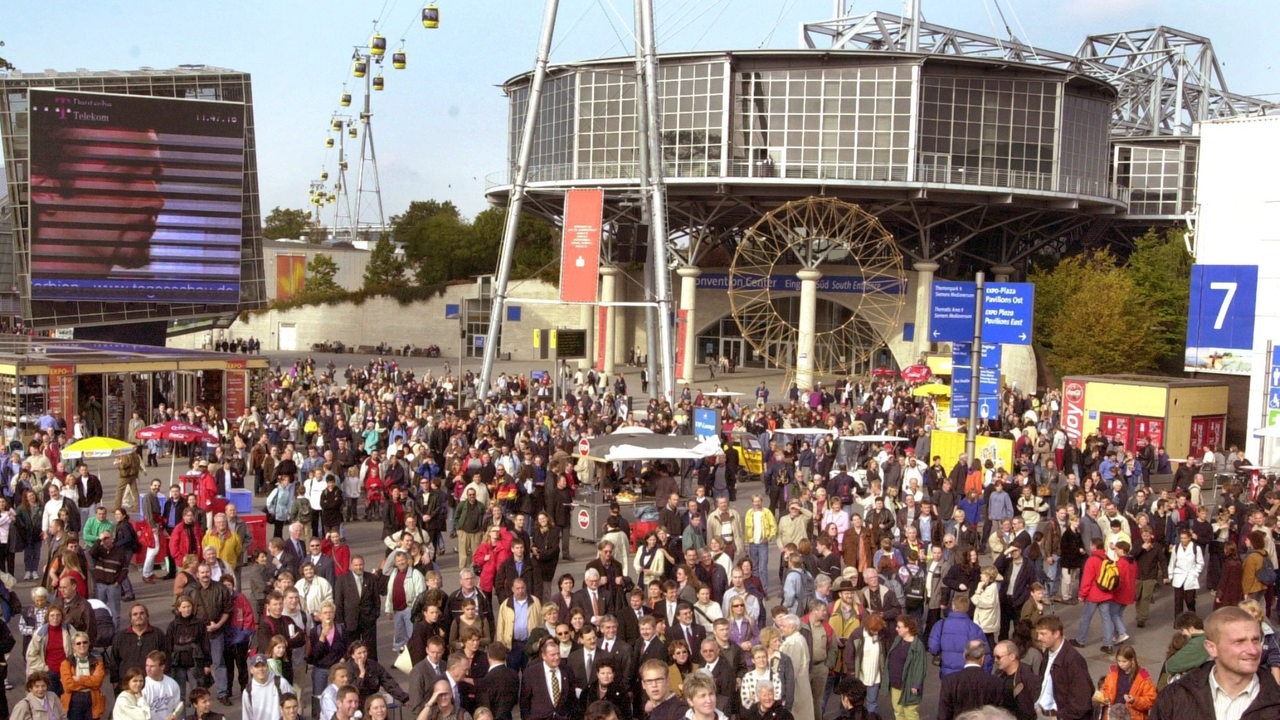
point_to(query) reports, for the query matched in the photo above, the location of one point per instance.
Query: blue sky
(440, 126)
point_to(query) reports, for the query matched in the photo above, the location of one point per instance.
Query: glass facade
(845, 118)
(1160, 177)
(851, 123)
(988, 131)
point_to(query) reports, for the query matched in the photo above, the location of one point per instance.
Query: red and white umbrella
(176, 431)
(883, 372)
(917, 374)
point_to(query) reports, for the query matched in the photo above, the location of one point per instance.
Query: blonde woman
(986, 604)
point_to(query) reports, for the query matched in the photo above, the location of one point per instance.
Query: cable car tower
(345, 127)
(365, 60)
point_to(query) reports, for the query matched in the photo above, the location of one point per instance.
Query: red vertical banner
(236, 397)
(1206, 431)
(1149, 428)
(602, 314)
(580, 245)
(291, 271)
(682, 328)
(1073, 409)
(61, 392)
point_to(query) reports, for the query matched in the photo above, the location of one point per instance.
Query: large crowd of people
(841, 582)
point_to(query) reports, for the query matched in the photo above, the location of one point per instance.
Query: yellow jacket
(767, 533)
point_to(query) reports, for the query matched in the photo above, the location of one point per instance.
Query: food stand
(631, 444)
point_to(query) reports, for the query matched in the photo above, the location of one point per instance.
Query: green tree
(537, 245)
(1161, 272)
(439, 249)
(385, 269)
(1090, 317)
(320, 278)
(286, 223)
(419, 211)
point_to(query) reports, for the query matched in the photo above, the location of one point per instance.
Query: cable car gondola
(399, 60)
(377, 45)
(336, 124)
(378, 82)
(328, 142)
(324, 176)
(351, 132)
(346, 99)
(431, 17)
(359, 67)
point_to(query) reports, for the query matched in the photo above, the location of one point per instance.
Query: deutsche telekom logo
(62, 106)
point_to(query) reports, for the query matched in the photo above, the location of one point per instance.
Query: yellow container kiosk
(1182, 414)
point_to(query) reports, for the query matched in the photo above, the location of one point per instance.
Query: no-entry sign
(584, 518)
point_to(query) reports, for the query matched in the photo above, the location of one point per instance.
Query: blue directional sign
(1273, 372)
(988, 408)
(951, 311)
(1006, 314)
(962, 377)
(1007, 311)
(1220, 317)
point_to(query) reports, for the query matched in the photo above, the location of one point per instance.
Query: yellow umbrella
(935, 389)
(97, 447)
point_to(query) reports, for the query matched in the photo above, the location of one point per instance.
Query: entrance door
(732, 348)
(288, 337)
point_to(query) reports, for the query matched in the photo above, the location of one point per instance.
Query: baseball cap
(258, 659)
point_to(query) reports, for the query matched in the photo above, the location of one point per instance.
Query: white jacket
(986, 607)
(1185, 564)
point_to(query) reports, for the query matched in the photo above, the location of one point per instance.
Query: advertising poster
(1144, 427)
(290, 273)
(950, 446)
(580, 246)
(1073, 413)
(1206, 431)
(1117, 428)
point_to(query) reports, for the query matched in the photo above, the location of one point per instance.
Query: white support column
(924, 291)
(1002, 273)
(608, 279)
(688, 302)
(806, 339)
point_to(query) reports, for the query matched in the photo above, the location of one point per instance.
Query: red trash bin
(257, 523)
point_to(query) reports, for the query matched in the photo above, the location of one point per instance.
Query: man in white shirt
(161, 692)
(261, 699)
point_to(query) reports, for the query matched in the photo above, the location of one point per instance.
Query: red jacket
(490, 556)
(1089, 591)
(1126, 593)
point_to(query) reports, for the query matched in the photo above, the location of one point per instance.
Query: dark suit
(676, 632)
(359, 611)
(970, 688)
(621, 655)
(656, 650)
(498, 690)
(665, 613)
(421, 681)
(629, 624)
(726, 680)
(535, 697)
(1021, 690)
(324, 568)
(582, 600)
(1011, 602)
(583, 675)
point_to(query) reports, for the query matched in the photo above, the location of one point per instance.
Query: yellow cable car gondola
(346, 99)
(378, 82)
(351, 132)
(324, 175)
(341, 166)
(377, 45)
(431, 17)
(336, 124)
(328, 142)
(359, 67)
(399, 60)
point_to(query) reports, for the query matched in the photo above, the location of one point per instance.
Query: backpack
(806, 594)
(914, 592)
(1108, 576)
(1267, 573)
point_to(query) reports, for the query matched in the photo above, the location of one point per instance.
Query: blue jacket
(949, 637)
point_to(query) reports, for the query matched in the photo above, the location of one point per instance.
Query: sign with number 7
(1220, 318)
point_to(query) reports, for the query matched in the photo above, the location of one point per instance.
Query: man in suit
(517, 566)
(686, 629)
(1066, 689)
(499, 688)
(594, 601)
(295, 547)
(322, 563)
(616, 648)
(357, 598)
(970, 688)
(1015, 589)
(629, 617)
(666, 608)
(548, 692)
(583, 660)
(648, 645)
(281, 559)
(464, 693)
(425, 674)
(722, 672)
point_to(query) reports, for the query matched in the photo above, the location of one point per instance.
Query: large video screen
(135, 199)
